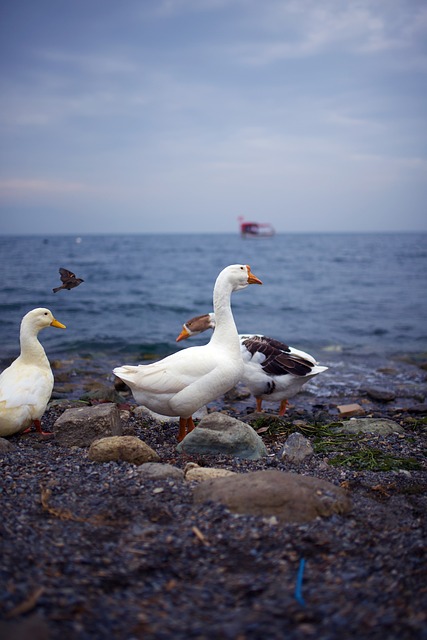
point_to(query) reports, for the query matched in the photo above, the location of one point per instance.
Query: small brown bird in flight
(68, 279)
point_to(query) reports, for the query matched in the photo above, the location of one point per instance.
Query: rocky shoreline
(116, 549)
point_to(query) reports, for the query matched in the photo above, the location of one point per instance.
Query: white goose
(183, 382)
(26, 385)
(272, 370)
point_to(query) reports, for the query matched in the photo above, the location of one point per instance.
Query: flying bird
(68, 279)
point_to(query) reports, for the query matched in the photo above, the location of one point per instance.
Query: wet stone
(380, 394)
(79, 427)
(219, 433)
(6, 446)
(160, 471)
(127, 448)
(380, 426)
(288, 496)
(297, 448)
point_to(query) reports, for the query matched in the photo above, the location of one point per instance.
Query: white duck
(26, 385)
(272, 370)
(183, 382)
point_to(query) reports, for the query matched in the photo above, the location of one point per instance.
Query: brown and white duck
(273, 371)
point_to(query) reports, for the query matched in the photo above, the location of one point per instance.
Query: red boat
(255, 229)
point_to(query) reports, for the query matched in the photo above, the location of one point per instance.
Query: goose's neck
(225, 328)
(31, 349)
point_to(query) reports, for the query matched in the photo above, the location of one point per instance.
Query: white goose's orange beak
(57, 324)
(183, 335)
(251, 278)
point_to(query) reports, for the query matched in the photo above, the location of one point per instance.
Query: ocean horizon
(345, 291)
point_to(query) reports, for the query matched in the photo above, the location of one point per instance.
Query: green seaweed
(416, 424)
(343, 449)
(273, 427)
(369, 459)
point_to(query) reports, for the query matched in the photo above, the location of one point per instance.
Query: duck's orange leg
(259, 404)
(185, 426)
(182, 429)
(38, 426)
(190, 424)
(283, 407)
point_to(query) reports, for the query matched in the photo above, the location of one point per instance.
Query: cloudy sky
(180, 115)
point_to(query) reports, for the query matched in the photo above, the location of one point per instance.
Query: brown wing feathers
(278, 358)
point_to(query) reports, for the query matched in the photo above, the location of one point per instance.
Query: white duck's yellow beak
(55, 323)
(251, 278)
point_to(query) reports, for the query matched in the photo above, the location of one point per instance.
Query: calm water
(326, 293)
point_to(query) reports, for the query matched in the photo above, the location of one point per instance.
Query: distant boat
(255, 229)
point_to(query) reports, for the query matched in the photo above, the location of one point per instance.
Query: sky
(155, 116)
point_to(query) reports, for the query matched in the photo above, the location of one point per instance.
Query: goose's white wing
(171, 374)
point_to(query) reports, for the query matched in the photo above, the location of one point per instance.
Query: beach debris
(97, 520)
(199, 535)
(68, 279)
(26, 605)
(298, 587)
(348, 410)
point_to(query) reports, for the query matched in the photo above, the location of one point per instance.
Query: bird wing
(24, 386)
(275, 357)
(66, 275)
(171, 374)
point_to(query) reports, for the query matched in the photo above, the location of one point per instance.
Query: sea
(351, 300)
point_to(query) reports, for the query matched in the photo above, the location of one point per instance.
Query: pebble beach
(95, 550)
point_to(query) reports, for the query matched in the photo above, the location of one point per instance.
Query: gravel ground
(97, 551)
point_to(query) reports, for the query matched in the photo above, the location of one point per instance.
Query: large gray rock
(288, 496)
(380, 426)
(127, 448)
(79, 427)
(218, 433)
